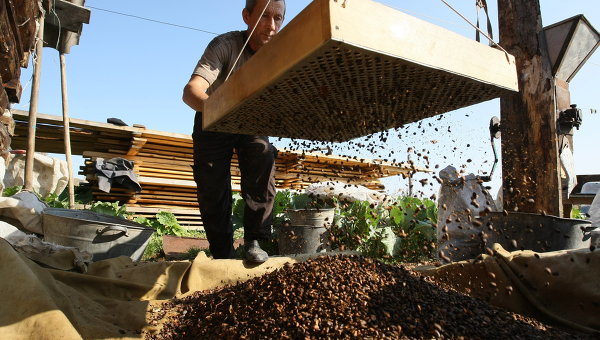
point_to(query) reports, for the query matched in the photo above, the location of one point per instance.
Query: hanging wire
(474, 26)
(248, 40)
(153, 20)
(53, 11)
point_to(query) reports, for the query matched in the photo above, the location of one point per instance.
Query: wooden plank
(70, 16)
(579, 199)
(80, 123)
(346, 74)
(582, 179)
(249, 79)
(531, 177)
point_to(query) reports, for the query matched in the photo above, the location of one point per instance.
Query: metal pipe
(66, 127)
(33, 107)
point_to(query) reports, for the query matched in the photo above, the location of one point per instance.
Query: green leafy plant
(355, 227)
(577, 214)
(54, 201)
(11, 191)
(165, 223)
(154, 248)
(237, 208)
(402, 231)
(110, 209)
(413, 221)
(283, 202)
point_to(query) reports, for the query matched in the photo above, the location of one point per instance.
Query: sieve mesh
(342, 92)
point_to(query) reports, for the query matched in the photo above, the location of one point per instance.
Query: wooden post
(33, 107)
(530, 162)
(67, 135)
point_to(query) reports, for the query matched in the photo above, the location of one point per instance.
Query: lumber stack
(162, 162)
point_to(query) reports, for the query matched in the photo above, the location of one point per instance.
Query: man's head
(268, 25)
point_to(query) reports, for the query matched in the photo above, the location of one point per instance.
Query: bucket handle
(124, 230)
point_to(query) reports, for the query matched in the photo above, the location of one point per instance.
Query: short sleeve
(211, 63)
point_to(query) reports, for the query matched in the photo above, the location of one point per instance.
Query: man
(213, 151)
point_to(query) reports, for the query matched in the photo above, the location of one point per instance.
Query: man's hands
(194, 93)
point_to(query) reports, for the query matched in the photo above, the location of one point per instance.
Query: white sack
(50, 175)
(567, 163)
(595, 211)
(458, 237)
(49, 254)
(24, 210)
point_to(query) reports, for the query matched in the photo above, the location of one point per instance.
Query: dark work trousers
(212, 162)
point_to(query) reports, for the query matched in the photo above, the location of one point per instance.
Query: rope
(153, 20)
(475, 27)
(247, 40)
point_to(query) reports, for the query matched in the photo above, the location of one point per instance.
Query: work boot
(254, 253)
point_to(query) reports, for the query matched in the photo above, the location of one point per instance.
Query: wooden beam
(71, 17)
(137, 145)
(33, 107)
(530, 163)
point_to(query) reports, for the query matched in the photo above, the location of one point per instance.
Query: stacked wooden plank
(162, 162)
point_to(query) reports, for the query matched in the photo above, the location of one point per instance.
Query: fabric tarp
(560, 287)
(113, 298)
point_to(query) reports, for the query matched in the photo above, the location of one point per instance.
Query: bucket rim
(117, 220)
(307, 226)
(311, 210)
(500, 213)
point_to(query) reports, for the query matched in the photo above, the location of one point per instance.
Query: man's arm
(194, 93)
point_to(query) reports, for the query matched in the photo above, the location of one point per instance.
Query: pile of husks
(341, 297)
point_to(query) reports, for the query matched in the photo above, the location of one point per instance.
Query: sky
(135, 70)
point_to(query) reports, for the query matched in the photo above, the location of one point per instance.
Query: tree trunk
(530, 163)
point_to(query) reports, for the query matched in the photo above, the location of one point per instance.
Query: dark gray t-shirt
(219, 56)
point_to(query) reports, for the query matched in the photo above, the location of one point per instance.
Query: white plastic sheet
(50, 175)
(345, 192)
(461, 200)
(567, 163)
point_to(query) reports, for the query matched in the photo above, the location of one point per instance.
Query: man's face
(268, 25)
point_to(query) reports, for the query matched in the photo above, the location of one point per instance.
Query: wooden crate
(345, 69)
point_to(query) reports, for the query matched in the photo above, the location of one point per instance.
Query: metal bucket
(311, 217)
(307, 233)
(301, 239)
(102, 235)
(595, 239)
(537, 232)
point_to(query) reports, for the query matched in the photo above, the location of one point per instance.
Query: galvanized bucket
(301, 239)
(102, 235)
(535, 232)
(311, 217)
(307, 232)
